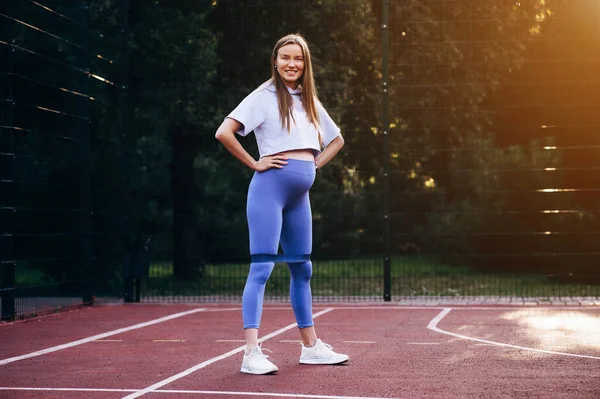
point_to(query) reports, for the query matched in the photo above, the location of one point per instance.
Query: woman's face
(290, 64)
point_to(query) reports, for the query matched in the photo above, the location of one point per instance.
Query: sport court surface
(179, 351)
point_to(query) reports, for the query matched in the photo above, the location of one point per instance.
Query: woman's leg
(264, 212)
(296, 239)
(308, 335)
(252, 300)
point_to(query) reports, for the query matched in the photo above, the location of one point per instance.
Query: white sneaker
(256, 363)
(321, 353)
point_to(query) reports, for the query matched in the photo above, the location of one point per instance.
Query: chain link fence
(470, 166)
(60, 74)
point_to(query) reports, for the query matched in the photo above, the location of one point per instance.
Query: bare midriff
(303, 155)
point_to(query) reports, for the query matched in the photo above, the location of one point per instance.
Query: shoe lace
(322, 343)
(260, 350)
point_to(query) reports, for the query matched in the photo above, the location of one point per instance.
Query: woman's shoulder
(256, 103)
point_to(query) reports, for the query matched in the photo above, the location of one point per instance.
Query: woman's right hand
(271, 161)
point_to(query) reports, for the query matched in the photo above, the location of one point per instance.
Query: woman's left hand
(271, 161)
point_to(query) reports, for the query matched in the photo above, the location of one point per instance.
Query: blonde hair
(306, 81)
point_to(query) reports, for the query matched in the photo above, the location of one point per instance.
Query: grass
(27, 276)
(424, 276)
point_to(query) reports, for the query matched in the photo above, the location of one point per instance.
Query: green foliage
(477, 133)
(27, 276)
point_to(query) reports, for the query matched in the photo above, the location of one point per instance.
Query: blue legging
(278, 211)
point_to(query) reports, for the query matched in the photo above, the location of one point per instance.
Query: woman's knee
(260, 272)
(301, 271)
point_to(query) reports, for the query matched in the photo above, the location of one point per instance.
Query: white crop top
(259, 112)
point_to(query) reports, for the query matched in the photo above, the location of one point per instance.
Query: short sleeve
(250, 113)
(329, 130)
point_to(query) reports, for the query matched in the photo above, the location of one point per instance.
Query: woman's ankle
(250, 346)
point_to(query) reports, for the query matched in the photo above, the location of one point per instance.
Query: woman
(290, 126)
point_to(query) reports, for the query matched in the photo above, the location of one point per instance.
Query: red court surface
(179, 351)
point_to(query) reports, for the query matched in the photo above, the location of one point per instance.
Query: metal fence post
(385, 124)
(7, 265)
(7, 291)
(86, 198)
(132, 287)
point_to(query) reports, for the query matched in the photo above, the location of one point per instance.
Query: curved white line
(433, 327)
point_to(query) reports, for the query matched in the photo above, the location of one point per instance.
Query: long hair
(306, 81)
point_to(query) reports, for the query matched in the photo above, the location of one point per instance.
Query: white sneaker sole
(259, 372)
(336, 360)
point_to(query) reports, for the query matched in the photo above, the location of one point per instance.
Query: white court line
(154, 387)
(98, 336)
(434, 322)
(420, 307)
(269, 394)
(180, 391)
(360, 342)
(514, 307)
(66, 389)
(432, 307)
(230, 340)
(423, 343)
(168, 340)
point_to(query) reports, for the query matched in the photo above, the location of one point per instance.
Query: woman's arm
(226, 135)
(329, 152)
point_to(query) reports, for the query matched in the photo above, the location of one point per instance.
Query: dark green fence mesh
(475, 177)
(470, 166)
(57, 83)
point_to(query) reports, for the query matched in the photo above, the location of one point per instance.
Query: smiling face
(290, 64)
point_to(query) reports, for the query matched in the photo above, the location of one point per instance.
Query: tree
(446, 59)
(173, 62)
